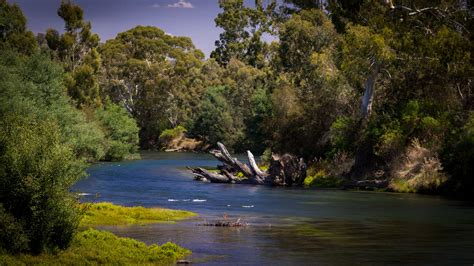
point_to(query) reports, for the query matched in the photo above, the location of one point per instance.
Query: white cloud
(181, 4)
(156, 5)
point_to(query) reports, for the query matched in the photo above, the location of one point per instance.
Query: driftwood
(285, 170)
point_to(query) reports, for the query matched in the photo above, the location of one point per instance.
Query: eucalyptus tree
(243, 31)
(155, 75)
(13, 31)
(76, 49)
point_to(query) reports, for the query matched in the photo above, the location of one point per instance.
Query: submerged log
(285, 170)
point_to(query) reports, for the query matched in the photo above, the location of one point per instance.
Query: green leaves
(121, 131)
(243, 28)
(13, 32)
(156, 76)
(36, 172)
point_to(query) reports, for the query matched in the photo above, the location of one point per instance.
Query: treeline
(365, 90)
(362, 89)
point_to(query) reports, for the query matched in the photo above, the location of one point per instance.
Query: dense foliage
(45, 139)
(361, 89)
(36, 172)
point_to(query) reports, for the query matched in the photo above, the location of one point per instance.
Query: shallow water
(287, 226)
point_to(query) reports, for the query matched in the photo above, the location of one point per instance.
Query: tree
(120, 129)
(215, 121)
(36, 173)
(13, 32)
(243, 29)
(76, 49)
(156, 76)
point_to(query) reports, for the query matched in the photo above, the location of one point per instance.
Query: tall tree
(13, 31)
(76, 49)
(243, 30)
(156, 76)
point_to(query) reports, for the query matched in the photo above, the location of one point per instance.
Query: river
(287, 226)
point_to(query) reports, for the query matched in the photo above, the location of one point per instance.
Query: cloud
(181, 4)
(156, 5)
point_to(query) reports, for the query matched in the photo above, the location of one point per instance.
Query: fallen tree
(285, 170)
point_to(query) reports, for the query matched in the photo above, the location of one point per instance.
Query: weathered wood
(201, 173)
(286, 170)
(258, 174)
(224, 156)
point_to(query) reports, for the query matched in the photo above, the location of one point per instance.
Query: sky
(191, 18)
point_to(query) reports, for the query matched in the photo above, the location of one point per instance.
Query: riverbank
(92, 246)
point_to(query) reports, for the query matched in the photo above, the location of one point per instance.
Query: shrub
(34, 85)
(341, 135)
(120, 129)
(36, 172)
(419, 171)
(458, 157)
(12, 235)
(168, 135)
(321, 179)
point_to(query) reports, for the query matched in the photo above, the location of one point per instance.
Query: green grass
(106, 213)
(92, 247)
(320, 179)
(400, 185)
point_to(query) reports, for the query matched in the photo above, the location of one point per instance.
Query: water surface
(287, 226)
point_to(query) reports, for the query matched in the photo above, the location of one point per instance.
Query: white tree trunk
(368, 97)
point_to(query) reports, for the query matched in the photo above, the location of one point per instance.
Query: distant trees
(155, 76)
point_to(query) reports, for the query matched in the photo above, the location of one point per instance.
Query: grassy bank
(106, 213)
(92, 247)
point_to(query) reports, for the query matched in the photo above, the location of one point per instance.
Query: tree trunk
(362, 154)
(368, 97)
(286, 170)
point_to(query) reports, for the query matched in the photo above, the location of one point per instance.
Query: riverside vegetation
(359, 89)
(83, 246)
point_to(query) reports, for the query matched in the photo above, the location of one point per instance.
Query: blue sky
(192, 18)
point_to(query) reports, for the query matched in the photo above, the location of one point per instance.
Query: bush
(419, 171)
(321, 179)
(34, 85)
(168, 135)
(12, 235)
(120, 129)
(458, 158)
(36, 173)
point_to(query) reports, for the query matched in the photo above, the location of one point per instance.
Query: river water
(287, 226)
